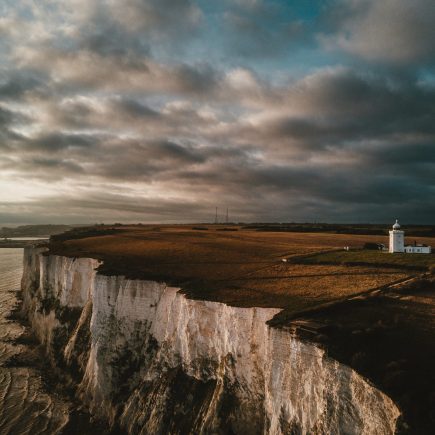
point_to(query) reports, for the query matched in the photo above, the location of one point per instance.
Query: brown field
(241, 268)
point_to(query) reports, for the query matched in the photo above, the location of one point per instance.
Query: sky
(162, 110)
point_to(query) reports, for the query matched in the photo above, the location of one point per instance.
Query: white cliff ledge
(152, 361)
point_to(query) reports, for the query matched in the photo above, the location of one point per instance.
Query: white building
(397, 243)
(397, 239)
(418, 249)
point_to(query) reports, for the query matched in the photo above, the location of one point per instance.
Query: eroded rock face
(152, 361)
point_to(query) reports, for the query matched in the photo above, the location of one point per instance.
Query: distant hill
(35, 230)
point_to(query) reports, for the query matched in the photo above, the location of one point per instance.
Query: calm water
(25, 408)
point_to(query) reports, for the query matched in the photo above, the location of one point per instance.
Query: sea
(25, 405)
(29, 403)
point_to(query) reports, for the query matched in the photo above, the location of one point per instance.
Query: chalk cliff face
(150, 360)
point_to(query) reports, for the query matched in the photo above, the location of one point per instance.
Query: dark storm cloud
(130, 160)
(14, 84)
(42, 168)
(71, 114)
(396, 31)
(165, 161)
(6, 117)
(58, 141)
(120, 97)
(62, 167)
(132, 107)
(10, 119)
(173, 151)
(86, 71)
(95, 206)
(344, 185)
(105, 37)
(49, 156)
(134, 28)
(197, 79)
(343, 109)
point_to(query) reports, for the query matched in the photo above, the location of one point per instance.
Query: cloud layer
(162, 110)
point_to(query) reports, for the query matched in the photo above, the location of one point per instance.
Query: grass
(367, 229)
(387, 336)
(373, 258)
(240, 268)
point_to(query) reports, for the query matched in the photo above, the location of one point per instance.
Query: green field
(368, 257)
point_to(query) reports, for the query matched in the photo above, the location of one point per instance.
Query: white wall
(397, 241)
(418, 249)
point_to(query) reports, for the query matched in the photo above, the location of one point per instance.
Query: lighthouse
(397, 239)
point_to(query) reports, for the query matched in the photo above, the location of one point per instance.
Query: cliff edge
(152, 361)
(148, 357)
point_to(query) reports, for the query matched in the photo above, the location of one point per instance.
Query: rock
(149, 348)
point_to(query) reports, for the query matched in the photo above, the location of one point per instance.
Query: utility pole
(216, 216)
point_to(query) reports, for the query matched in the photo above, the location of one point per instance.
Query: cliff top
(372, 310)
(241, 267)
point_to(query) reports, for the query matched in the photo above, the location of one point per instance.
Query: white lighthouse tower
(397, 239)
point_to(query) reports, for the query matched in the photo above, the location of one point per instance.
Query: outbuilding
(418, 249)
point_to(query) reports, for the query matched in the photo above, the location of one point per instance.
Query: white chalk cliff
(150, 361)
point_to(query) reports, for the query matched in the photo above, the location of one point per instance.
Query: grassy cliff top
(235, 265)
(371, 310)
